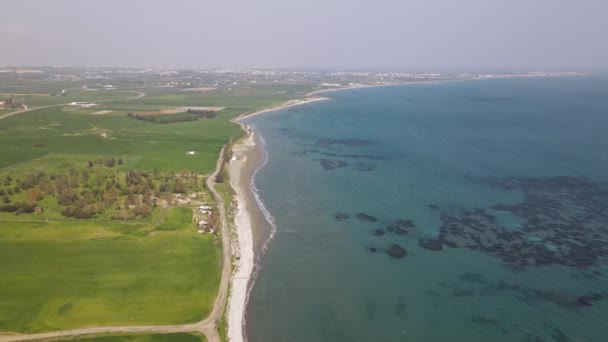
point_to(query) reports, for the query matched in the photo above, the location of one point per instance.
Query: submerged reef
(561, 298)
(401, 227)
(330, 164)
(366, 217)
(341, 216)
(325, 143)
(396, 252)
(355, 156)
(565, 222)
(326, 148)
(304, 153)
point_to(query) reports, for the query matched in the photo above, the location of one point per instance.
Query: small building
(82, 104)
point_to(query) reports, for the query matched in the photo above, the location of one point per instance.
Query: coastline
(250, 222)
(239, 169)
(290, 103)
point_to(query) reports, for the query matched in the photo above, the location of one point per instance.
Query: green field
(70, 131)
(34, 134)
(62, 273)
(68, 275)
(176, 337)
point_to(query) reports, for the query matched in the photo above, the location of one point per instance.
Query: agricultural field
(175, 337)
(96, 222)
(63, 275)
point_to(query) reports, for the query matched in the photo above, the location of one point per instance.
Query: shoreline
(288, 104)
(250, 221)
(239, 169)
(249, 156)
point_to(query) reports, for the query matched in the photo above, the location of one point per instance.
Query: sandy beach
(243, 246)
(250, 228)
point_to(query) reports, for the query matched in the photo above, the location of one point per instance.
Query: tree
(32, 196)
(110, 162)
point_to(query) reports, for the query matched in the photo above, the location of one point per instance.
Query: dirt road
(138, 96)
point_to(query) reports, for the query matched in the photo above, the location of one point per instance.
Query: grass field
(176, 337)
(64, 274)
(63, 130)
(68, 275)
(31, 135)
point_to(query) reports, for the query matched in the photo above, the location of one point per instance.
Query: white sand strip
(244, 254)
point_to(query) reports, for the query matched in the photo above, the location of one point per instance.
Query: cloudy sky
(344, 34)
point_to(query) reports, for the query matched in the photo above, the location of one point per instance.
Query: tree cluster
(99, 188)
(193, 115)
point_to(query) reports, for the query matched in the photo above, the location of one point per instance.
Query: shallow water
(432, 153)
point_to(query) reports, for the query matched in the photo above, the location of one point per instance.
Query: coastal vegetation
(99, 188)
(188, 115)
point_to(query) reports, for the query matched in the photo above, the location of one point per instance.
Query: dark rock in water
(378, 232)
(372, 249)
(304, 153)
(341, 216)
(589, 299)
(432, 206)
(365, 217)
(330, 164)
(396, 252)
(562, 298)
(471, 277)
(401, 226)
(483, 320)
(430, 244)
(354, 156)
(346, 142)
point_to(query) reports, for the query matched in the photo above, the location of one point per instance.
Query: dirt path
(27, 110)
(207, 326)
(139, 96)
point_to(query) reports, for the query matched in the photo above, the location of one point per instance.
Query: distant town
(110, 78)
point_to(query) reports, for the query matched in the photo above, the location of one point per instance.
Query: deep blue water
(433, 154)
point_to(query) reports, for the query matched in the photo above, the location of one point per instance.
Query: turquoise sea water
(446, 157)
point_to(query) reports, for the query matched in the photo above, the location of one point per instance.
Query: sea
(453, 211)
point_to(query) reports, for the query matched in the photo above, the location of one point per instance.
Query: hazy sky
(346, 34)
